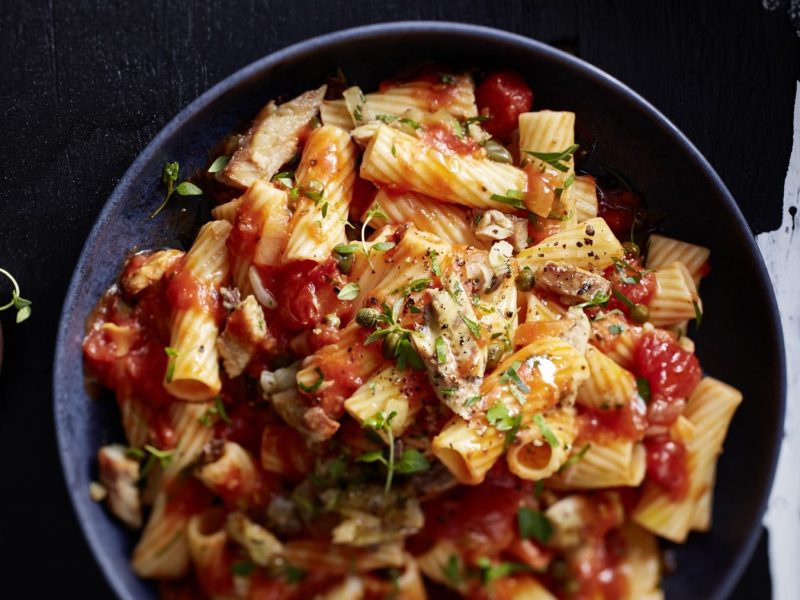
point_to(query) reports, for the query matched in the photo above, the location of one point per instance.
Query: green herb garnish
(214, 412)
(555, 159)
(403, 352)
(169, 175)
(309, 389)
(548, 434)
(441, 350)
(575, 458)
(411, 461)
(173, 354)
(349, 292)
(534, 524)
(643, 387)
(22, 305)
(474, 328)
(698, 314)
(510, 374)
(219, 163)
(511, 197)
(599, 299)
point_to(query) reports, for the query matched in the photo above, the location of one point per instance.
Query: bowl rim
(257, 69)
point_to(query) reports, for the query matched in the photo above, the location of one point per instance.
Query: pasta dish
(415, 352)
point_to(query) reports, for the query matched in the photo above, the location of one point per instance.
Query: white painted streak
(781, 251)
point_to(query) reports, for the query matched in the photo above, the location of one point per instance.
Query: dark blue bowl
(739, 342)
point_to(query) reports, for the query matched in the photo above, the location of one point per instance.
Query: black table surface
(84, 86)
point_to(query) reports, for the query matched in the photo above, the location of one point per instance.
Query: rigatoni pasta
(409, 350)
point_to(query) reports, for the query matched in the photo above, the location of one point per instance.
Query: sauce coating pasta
(415, 355)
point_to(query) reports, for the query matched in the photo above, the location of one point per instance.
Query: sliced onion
(262, 294)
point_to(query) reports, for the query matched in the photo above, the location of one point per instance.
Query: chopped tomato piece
(666, 465)
(632, 282)
(504, 95)
(671, 371)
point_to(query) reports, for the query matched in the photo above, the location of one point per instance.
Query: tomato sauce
(628, 422)
(437, 92)
(127, 357)
(289, 448)
(449, 144)
(186, 292)
(481, 519)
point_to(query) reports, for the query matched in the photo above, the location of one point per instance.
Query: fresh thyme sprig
(169, 175)
(22, 305)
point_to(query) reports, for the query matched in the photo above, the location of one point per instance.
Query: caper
(368, 317)
(525, 279)
(640, 313)
(498, 153)
(631, 249)
(333, 320)
(344, 262)
(493, 355)
(390, 344)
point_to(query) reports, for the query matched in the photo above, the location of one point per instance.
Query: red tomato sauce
(440, 92)
(481, 519)
(446, 142)
(185, 292)
(246, 231)
(628, 422)
(131, 361)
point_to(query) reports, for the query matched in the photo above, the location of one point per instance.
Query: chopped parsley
(533, 524)
(173, 355)
(548, 434)
(622, 298)
(555, 159)
(411, 123)
(215, 412)
(625, 270)
(490, 572)
(474, 328)
(499, 418)
(441, 350)
(309, 389)
(599, 299)
(615, 329)
(242, 568)
(511, 197)
(643, 387)
(285, 178)
(698, 314)
(452, 569)
(575, 458)
(436, 266)
(511, 374)
(472, 400)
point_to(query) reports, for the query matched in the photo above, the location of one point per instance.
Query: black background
(84, 86)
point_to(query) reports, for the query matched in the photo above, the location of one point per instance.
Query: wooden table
(85, 85)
